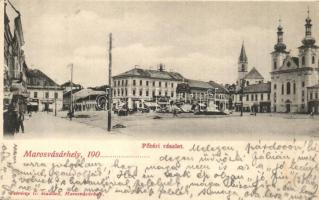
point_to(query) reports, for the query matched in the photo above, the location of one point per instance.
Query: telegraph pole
(109, 123)
(71, 97)
(55, 98)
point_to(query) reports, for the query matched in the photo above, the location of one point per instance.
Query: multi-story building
(137, 86)
(15, 67)
(44, 93)
(292, 76)
(254, 98)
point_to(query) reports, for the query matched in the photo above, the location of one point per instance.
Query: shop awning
(33, 103)
(151, 104)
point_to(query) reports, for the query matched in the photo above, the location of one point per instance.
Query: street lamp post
(55, 98)
(109, 123)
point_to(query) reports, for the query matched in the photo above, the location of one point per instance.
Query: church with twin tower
(295, 80)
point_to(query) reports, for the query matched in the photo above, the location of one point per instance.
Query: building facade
(44, 93)
(313, 99)
(291, 76)
(15, 67)
(67, 93)
(89, 100)
(254, 98)
(196, 91)
(137, 86)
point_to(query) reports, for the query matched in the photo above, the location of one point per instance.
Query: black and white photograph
(151, 100)
(164, 70)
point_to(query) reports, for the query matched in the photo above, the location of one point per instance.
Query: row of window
(288, 88)
(123, 92)
(302, 96)
(141, 82)
(313, 95)
(254, 97)
(303, 62)
(203, 95)
(47, 95)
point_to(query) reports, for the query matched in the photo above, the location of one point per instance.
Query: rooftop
(258, 88)
(153, 74)
(35, 76)
(68, 84)
(253, 74)
(220, 88)
(198, 84)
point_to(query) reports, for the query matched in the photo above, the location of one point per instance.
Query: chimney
(161, 67)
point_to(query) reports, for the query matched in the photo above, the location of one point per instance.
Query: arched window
(275, 65)
(303, 61)
(275, 86)
(242, 67)
(288, 88)
(282, 89)
(313, 60)
(294, 88)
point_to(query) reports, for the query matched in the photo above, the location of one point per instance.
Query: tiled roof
(258, 88)
(220, 88)
(99, 88)
(199, 84)
(87, 92)
(154, 74)
(68, 84)
(253, 74)
(34, 75)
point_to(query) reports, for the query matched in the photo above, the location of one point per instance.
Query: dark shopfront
(33, 105)
(262, 107)
(313, 106)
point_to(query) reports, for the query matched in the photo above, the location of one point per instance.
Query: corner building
(291, 76)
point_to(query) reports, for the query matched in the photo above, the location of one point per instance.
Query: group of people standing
(13, 117)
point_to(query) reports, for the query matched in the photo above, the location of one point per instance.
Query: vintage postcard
(159, 100)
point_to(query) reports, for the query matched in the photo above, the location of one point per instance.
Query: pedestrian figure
(20, 122)
(10, 120)
(174, 112)
(70, 114)
(311, 114)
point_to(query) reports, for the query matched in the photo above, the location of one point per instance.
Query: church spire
(280, 46)
(243, 57)
(308, 40)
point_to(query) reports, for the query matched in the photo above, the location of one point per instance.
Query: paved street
(46, 125)
(92, 125)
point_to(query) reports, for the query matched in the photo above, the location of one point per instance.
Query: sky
(200, 40)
